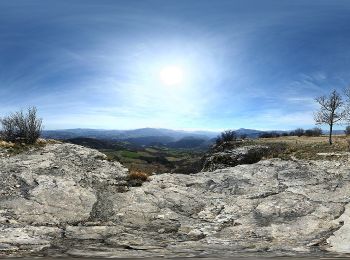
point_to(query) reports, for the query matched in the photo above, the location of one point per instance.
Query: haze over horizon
(183, 64)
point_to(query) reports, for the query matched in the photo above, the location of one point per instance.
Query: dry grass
(304, 140)
(4, 144)
(42, 141)
(136, 178)
(309, 148)
(16, 148)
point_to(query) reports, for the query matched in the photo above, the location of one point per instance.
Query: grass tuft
(16, 148)
(136, 178)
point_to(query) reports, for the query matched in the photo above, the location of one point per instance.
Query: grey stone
(66, 200)
(235, 156)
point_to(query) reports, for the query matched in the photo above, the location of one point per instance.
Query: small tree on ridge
(226, 136)
(21, 127)
(332, 111)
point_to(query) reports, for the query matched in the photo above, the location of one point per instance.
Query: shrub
(308, 132)
(299, 132)
(314, 132)
(347, 130)
(136, 178)
(348, 142)
(276, 150)
(317, 131)
(269, 135)
(226, 136)
(243, 136)
(21, 127)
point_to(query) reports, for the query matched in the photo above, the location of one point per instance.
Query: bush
(243, 136)
(269, 135)
(309, 132)
(136, 178)
(347, 130)
(276, 150)
(226, 136)
(21, 127)
(299, 132)
(313, 132)
(317, 131)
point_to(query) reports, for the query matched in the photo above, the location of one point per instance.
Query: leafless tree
(332, 111)
(226, 136)
(33, 125)
(22, 127)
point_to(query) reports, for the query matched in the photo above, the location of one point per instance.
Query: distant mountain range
(168, 135)
(149, 136)
(142, 137)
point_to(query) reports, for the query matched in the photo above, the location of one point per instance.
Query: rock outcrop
(234, 156)
(66, 200)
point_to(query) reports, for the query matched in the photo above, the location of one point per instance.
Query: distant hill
(150, 140)
(97, 143)
(249, 132)
(176, 135)
(144, 137)
(126, 134)
(80, 132)
(188, 142)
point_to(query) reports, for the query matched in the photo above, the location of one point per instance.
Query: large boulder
(55, 184)
(66, 200)
(234, 156)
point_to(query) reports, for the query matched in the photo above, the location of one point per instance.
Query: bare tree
(299, 132)
(332, 111)
(226, 136)
(22, 127)
(33, 125)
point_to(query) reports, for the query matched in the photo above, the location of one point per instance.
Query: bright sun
(171, 75)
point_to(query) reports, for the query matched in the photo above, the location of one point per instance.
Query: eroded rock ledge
(67, 200)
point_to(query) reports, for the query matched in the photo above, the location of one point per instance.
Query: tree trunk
(330, 133)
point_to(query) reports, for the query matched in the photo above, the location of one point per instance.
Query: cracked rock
(64, 200)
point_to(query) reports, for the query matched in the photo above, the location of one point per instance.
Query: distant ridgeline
(139, 137)
(147, 137)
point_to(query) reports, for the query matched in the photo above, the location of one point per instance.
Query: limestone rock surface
(66, 200)
(234, 156)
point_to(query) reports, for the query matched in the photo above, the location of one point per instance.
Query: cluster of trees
(316, 131)
(230, 135)
(269, 135)
(21, 127)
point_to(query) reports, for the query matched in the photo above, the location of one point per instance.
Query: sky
(255, 64)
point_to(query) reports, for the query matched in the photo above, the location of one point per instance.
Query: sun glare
(171, 75)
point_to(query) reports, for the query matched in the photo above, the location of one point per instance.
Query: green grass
(130, 154)
(153, 159)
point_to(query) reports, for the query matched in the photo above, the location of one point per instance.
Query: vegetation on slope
(307, 148)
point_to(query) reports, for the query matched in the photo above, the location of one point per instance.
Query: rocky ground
(229, 157)
(66, 200)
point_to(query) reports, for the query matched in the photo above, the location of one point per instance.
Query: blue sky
(96, 64)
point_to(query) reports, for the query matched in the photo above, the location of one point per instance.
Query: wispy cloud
(247, 63)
